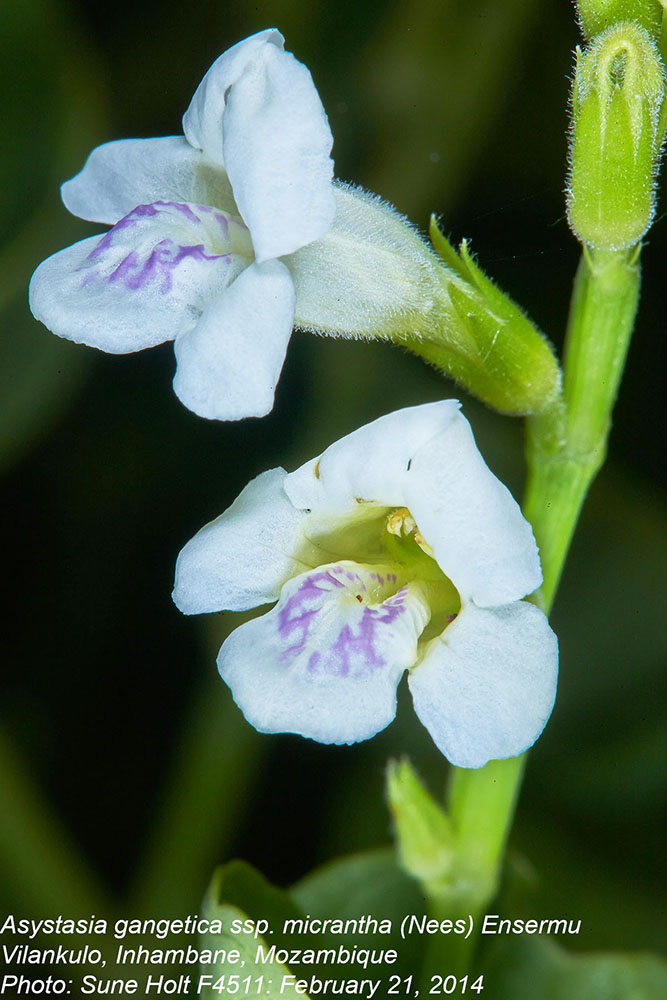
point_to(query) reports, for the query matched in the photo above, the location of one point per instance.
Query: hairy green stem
(566, 447)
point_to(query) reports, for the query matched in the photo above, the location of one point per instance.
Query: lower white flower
(397, 549)
(201, 223)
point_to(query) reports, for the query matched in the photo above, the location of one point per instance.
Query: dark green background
(452, 106)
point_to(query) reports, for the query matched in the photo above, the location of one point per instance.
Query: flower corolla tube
(200, 223)
(396, 549)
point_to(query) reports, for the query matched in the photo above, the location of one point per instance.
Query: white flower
(199, 224)
(396, 549)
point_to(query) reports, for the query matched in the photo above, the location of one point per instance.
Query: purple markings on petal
(183, 209)
(222, 220)
(352, 649)
(161, 262)
(166, 234)
(355, 649)
(127, 222)
(125, 269)
(296, 618)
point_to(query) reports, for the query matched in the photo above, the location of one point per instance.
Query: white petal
(243, 558)
(370, 464)
(478, 534)
(202, 122)
(485, 688)
(277, 143)
(228, 366)
(425, 458)
(118, 176)
(147, 280)
(322, 663)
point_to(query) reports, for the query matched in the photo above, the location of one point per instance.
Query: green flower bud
(617, 103)
(596, 16)
(424, 835)
(481, 338)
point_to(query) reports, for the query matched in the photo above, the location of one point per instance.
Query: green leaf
(238, 893)
(530, 968)
(239, 884)
(368, 884)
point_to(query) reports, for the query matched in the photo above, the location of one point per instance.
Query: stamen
(424, 546)
(401, 522)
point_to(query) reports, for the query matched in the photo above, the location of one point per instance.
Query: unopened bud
(617, 131)
(424, 834)
(595, 16)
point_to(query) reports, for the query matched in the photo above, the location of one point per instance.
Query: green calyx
(477, 335)
(618, 103)
(595, 16)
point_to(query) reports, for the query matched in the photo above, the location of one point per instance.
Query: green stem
(481, 802)
(566, 447)
(481, 807)
(448, 955)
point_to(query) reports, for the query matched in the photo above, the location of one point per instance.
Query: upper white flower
(396, 549)
(199, 224)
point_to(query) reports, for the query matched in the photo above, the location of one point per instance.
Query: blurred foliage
(372, 885)
(478, 43)
(439, 105)
(522, 970)
(239, 894)
(369, 884)
(53, 108)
